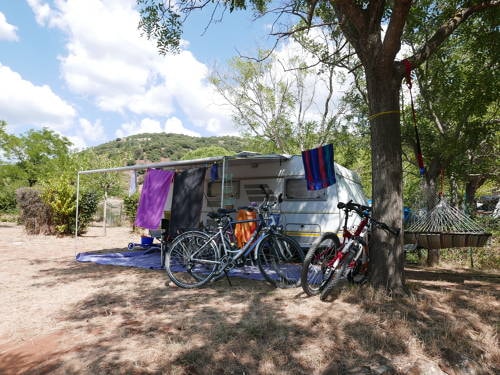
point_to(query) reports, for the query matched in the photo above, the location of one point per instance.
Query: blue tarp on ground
(151, 259)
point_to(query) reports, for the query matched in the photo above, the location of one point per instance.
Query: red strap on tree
(420, 158)
(407, 65)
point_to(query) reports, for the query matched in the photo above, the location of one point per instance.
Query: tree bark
(471, 187)
(386, 250)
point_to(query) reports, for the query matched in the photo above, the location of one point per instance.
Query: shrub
(34, 213)
(60, 196)
(8, 201)
(130, 205)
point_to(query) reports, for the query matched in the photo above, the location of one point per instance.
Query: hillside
(155, 147)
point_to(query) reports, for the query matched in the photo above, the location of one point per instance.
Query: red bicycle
(328, 261)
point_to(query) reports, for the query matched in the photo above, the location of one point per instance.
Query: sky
(82, 69)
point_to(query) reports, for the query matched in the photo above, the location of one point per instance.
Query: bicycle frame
(228, 256)
(348, 239)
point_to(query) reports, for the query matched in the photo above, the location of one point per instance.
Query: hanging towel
(133, 183)
(214, 172)
(319, 167)
(153, 196)
(187, 200)
(243, 231)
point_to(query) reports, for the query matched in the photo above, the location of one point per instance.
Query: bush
(60, 196)
(130, 205)
(8, 201)
(87, 207)
(34, 213)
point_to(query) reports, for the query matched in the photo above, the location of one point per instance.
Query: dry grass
(58, 316)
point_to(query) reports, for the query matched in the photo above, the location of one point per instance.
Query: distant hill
(156, 147)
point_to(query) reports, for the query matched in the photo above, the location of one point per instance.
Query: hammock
(445, 227)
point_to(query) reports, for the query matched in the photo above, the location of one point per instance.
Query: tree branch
(392, 39)
(446, 29)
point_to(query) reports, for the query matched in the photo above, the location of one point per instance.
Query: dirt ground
(59, 316)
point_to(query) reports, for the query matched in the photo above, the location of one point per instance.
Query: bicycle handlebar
(363, 211)
(351, 206)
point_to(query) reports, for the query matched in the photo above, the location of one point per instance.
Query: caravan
(250, 177)
(304, 214)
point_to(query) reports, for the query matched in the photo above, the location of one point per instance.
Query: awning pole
(77, 201)
(223, 182)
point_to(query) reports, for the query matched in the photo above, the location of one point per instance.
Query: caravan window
(231, 189)
(296, 189)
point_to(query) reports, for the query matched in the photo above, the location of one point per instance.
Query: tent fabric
(187, 200)
(153, 197)
(319, 167)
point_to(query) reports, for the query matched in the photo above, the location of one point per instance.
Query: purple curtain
(153, 196)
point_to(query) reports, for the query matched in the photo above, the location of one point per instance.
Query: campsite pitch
(59, 316)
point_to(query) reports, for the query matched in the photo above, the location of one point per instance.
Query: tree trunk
(433, 257)
(430, 200)
(474, 182)
(386, 250)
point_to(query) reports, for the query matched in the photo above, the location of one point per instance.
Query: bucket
(146, 241)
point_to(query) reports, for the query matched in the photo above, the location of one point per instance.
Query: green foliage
(130, 204)
(160, 23)
(7, 201)
(60, 196)
(274, 99)
(457, 105)
(106, 182)
(87, 207)
(483, 258)
(155, 147)
(10, 180)
(207, 152)
(37, 153)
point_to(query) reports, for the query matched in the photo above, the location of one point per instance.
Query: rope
(382, 114)
(445, 219)
(420, 159)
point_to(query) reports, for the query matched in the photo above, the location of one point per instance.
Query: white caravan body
(304, 214)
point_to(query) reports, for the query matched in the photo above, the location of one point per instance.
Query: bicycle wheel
(192, 259)
(338, 274)
(280, 258)
(313, 276)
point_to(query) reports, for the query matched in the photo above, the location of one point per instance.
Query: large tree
(374, 29)
(36, 153)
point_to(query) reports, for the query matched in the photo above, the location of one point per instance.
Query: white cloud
(107, 61)
(92, 132)
(42, 11)
(79, 143)
(148, 125)
(174, 125)
(7, 31)
(24, 103)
